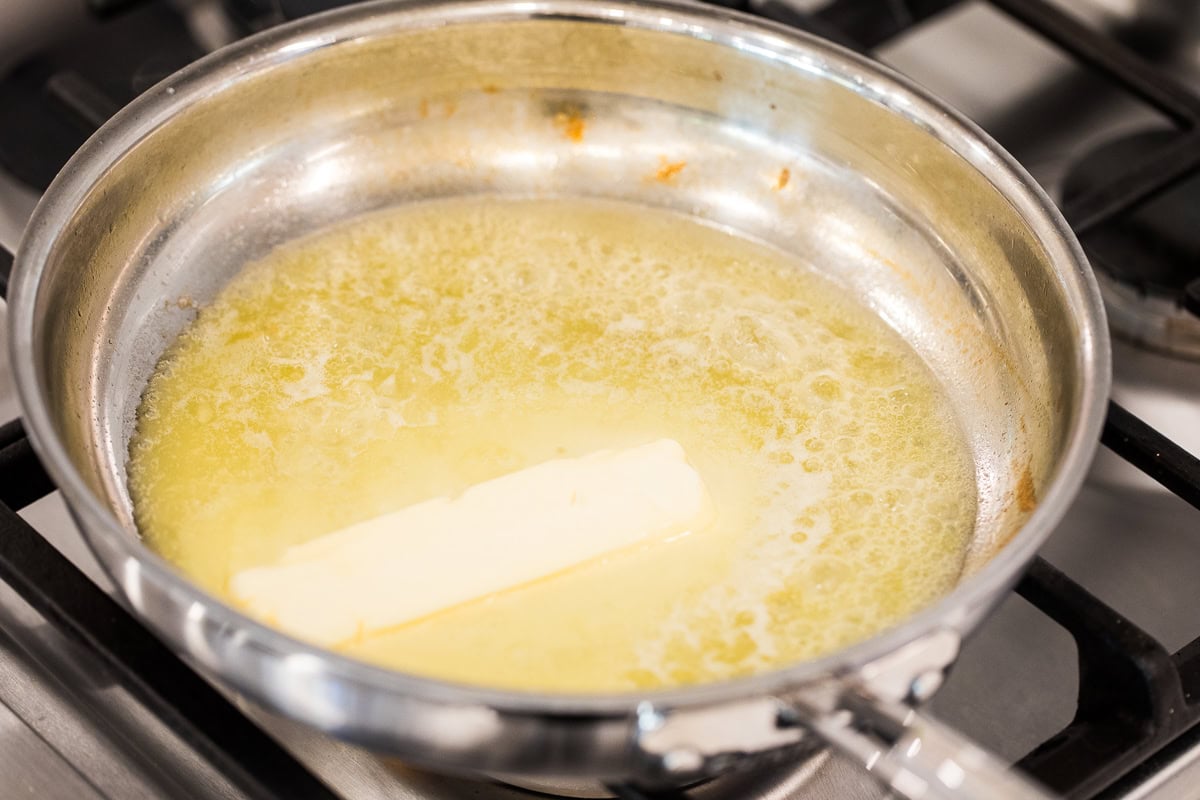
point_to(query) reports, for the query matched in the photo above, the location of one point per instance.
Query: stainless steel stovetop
(67, 731)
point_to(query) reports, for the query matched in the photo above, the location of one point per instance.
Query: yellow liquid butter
(411, 354)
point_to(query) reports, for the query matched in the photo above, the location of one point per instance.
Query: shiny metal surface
(921, 758)
(900, 199)
(68, 731)
(1153, 322)
(29, 766)
(1171, 778)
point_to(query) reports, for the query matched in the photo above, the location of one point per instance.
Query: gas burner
(1148, 260)
(255, 15)
(1086, 676)
(64, 92)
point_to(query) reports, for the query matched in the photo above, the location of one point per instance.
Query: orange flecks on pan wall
(572, 124)
(668, 171)
(1026, 494)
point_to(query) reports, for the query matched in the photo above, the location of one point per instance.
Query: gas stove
(1086, 676)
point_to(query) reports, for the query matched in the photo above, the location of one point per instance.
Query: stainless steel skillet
(783, 137)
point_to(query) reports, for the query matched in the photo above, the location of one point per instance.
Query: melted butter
(413, 353)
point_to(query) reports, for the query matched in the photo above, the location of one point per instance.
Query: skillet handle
(919, 757)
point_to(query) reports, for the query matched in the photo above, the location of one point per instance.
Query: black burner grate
(1137, 702)
(167, 687)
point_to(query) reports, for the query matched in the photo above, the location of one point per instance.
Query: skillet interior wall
(322, 131)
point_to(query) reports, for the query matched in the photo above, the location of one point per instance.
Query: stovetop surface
(67, 730)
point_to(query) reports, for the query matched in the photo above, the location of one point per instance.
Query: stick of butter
(496, 535)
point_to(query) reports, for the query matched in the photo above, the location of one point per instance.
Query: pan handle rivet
(683, 761)
(924, 685)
